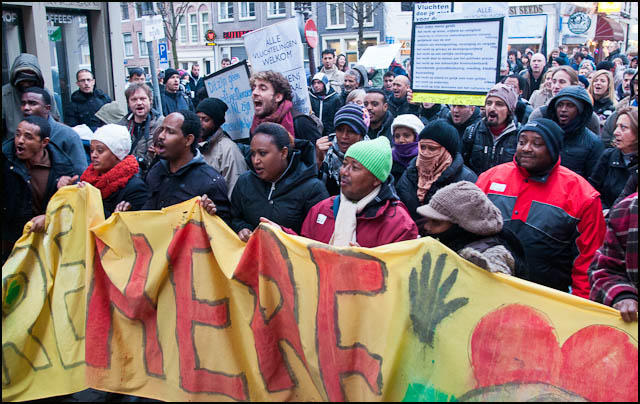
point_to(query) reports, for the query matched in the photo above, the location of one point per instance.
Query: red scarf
(282, 115)
(114, 179)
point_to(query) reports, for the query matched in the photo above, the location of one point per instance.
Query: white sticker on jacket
(321, 219)
(497, 187)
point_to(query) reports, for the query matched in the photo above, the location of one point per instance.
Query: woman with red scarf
(113, 170)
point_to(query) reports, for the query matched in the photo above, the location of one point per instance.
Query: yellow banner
(451, 99)
(179, 309)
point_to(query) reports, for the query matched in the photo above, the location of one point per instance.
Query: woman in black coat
(616, 164)
(113, 170)
(281, 184)
(439, 163)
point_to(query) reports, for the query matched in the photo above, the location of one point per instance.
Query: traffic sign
(311, 33)
(162, 52)
(153, 28)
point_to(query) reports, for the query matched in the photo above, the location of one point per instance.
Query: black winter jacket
(325, 108)
(523, 110)
(384, 130)
(17, 202)
(604, 108)
(83, 108)
(136, 192)
(193, 179)
(475, 117)
(408, 185)
(436, 112)
(285, 201)
(174, 102)
(481, 152)
(399, 106)
(582, 148)
(610, 175)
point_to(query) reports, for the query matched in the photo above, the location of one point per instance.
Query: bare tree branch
(361, 12)
(171, 14)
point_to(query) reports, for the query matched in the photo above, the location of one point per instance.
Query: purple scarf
(403, 153)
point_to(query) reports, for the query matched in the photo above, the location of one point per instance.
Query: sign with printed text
(172, 305)
(457, 54)
(278, 47)
(153, 28)
(231, 85)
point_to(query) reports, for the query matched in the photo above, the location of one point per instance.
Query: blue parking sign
(162, 52)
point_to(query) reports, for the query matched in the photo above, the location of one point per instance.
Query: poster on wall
(278, 47)
(457, 52)
(231, 85)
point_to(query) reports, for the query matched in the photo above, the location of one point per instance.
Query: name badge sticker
(321, 219)
(497, 187)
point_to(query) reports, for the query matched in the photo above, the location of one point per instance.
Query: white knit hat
(410, 121)
(116, 138)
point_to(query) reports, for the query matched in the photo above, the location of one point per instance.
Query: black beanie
(550, 131)
(170, 72)
(214, 108)
(444, 134)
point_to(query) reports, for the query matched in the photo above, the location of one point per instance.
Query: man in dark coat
(398, 104)
(463, 116)
(380, 119)
(523, 108)
(325, 102)
(173, 99)
(182, 173)
(30, 170)
(571, 108)
(85, 102)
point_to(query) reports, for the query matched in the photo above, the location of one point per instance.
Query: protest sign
(278, 47)
(379, 56)
(231, 85)
(179, 309)
(456, 51)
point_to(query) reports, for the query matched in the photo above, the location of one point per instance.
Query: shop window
(204, 21)
(276, 9)
(334, 44)
(124, 11)
(225, 11)
(248, 10)
(128, 45)
(12, 40)
(335, 15)
(142, 46)
(193, 27)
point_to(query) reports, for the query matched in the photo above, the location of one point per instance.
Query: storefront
(532, 26)
(66, 37)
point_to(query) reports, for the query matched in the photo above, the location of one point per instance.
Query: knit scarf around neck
(430, 164)
(114, 179)
(282, 115)
(346, 222)
(404, 153)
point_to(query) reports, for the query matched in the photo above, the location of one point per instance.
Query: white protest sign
(440, 11)
(153, 28)
(278, 47)
(380, 56)
(231, 85)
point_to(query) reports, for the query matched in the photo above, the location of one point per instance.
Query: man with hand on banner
(367, 212)
(560, 234)
(182, 173)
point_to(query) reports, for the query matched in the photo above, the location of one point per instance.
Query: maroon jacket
(383, 221)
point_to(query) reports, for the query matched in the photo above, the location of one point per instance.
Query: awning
(608, 30)
(526, 29)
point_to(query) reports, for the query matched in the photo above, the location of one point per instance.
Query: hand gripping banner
(172, 305)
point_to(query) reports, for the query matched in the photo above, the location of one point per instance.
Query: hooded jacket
(481, 151)
(285, 201)
(610, 175)
(193, 179)
(174, 102)
(384, 220)
(408, 185)
(582, 148)
(69, 141)
(560, 234)
(325, 107)
(475, 117)
(17, 206)
(593, 123)
(83, 107)
(11, 113)
(364, 76)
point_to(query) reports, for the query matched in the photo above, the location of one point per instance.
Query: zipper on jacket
(273, 187)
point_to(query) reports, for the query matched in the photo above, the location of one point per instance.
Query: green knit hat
(374, 155)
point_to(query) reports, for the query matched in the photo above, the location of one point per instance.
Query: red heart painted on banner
(517, 343)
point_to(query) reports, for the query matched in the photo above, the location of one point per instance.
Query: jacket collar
(377, 206)
(195, 161)
(540, 177)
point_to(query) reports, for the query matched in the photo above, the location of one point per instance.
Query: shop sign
(95, 5)
(210, 37)
(60, 18)
(234, 34)
(9, 17)
(613, 7)
(526, 10)
(579, 23)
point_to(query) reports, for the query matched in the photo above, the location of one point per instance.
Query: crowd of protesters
(540, 182)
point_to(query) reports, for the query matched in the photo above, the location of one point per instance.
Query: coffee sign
(579, 23)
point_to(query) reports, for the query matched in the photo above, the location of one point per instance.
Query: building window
(225, 11)
(124, 11)
(335, 15)
(143, 8)
(193, 27)
(247, 10)
(204, 21)
(276, 9)
(182, 27)
(207, 67)
(368, 15)
(128, 45)
(142, 45)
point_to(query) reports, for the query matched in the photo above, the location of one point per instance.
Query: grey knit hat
(505, 93)
(464, 204)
